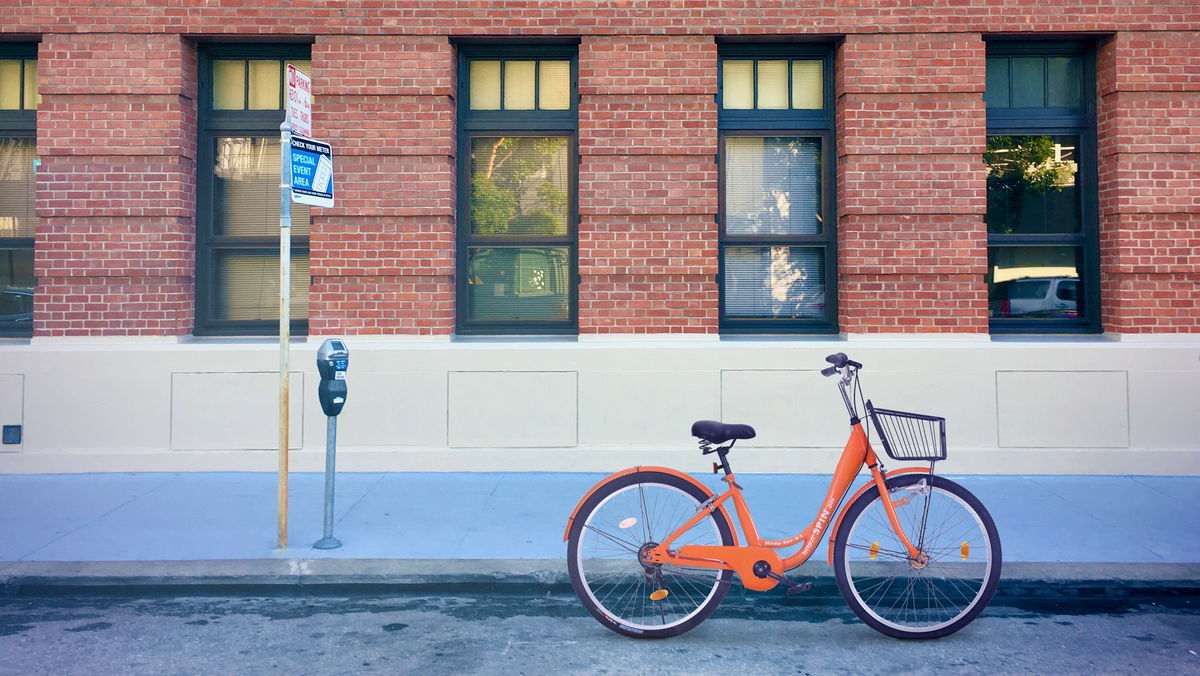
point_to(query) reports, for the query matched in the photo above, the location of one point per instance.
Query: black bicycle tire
(865, 500)
(573, 542)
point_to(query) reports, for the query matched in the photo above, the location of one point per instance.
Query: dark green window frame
(780, 123)
(17, 124)
(1077, 121)
(223, 123)
(475, 124)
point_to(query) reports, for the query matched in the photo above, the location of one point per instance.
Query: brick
(916, 244)
(905, 184)
(387, 125)
(384, 65)
(382, 305)
(911, 124)
(647, 184)
(108, 306)
(1150, 183)
(1148, 122)
(114, 252)
(381, 247)
(647, 65)
(654, 124)
(910, 63)
(599, 17)
(913, 304)
(648, 245)
(394, 186)
(644, 304)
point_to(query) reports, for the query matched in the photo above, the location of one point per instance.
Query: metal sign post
(306, 177)
(285, 293)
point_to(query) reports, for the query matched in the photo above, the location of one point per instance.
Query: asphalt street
(545, 631)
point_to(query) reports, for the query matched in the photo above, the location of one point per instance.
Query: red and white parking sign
(299, 101)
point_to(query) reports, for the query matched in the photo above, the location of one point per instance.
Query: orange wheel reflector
(964, 551)
(659, 595)
(874, 550)
(627, 522)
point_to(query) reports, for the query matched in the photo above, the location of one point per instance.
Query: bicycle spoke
(894, 589)
(616, 580)
(627, 545)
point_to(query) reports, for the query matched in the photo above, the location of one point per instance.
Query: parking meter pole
(328, 541)
(332, 361)
(285, 292)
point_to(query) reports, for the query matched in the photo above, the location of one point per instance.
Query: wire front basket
(910, 436)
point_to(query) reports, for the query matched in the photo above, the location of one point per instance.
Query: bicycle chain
(734, 579)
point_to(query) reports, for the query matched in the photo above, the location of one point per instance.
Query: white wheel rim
(632, 569)
(878, 529)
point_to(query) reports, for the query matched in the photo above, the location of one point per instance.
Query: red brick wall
(382, 260)
(117, 129)
(911, 184)
(599, 17)
(1149, 113)
(115, 251)
(647, 184)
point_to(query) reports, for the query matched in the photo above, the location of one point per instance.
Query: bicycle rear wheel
(624, 517)
(899, 597)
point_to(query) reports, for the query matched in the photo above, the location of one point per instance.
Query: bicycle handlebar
(839, 361)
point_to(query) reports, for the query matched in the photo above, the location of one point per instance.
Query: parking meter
(332, 360)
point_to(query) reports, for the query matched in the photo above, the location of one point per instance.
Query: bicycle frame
(741, 558)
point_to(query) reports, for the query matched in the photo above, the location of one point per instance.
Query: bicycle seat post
(723, 454)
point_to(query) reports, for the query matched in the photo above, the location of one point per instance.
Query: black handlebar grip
(829, 371)
(838, 360)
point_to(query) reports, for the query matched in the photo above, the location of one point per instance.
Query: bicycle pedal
(799, 588)
(793, 587)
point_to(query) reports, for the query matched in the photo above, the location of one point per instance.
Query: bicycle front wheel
(625, 517)
(898, 596)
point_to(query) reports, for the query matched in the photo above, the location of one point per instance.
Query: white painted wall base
(1013, 406)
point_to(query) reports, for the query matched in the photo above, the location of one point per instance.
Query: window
(518, 220)
(237, 214)
(19, 99)
(1041, 189)
(776, 215)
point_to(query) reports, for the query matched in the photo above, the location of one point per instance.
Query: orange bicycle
(651, 552)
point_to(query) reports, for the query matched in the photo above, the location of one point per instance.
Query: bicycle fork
(918, 558)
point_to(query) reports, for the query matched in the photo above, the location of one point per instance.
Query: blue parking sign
(312, 172)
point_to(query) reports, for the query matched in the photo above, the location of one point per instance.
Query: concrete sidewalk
(431, 528)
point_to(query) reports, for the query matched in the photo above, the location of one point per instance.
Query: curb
(1029, 580)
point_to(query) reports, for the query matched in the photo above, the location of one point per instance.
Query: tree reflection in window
(772, 186)
(519, 185)
(779, 282)
(1031, 184)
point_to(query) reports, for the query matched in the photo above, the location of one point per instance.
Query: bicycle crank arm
(793, 587)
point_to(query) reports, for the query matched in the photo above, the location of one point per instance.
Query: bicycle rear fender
(639, 468)
(846, 506)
